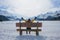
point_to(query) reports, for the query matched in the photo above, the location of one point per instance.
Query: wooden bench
(31, 25)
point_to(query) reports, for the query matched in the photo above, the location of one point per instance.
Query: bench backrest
(29, 24)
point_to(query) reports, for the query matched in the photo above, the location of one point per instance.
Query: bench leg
(37, 33)
(20, 32)
(29, 31)
(26, 32)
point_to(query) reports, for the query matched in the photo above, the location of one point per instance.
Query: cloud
(28, 7)
(56, 3)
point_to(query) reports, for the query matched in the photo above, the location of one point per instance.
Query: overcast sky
(29, 7)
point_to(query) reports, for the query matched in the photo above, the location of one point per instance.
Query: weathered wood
(20, 32)
(17, 24)
(37, 31)
(26, 24)
(29, 25)
(28, 30)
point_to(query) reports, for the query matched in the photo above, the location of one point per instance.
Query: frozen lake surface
(50, 31)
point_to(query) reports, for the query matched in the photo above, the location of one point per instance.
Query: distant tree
(3, 18)
(58, 16)
(50, 18)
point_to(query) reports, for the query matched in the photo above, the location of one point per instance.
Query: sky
(28, 8)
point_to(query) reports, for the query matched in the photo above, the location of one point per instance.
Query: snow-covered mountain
(50, 15)
(9, 15)
(53, 14)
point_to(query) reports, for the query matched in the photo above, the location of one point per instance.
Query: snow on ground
(50, 31)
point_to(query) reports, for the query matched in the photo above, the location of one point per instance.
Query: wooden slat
(27, 24)
(18, 29)
(23, 25)
(17, 24)
(35, 29)
(39, 24)
(36, 25)
(30, 30)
